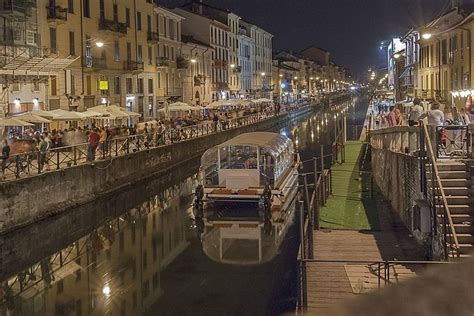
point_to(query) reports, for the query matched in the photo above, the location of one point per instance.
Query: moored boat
(246, 197)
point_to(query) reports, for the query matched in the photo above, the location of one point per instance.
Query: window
(54, 86)
(116, 50)
(140, 53)
(171, 28)
(159, 80)
(150, 86)
(140, 85)
(129, 52)
(70, 6)
(73, 85)
(88, 85)
(127, 17)
(128, 84)
(117, 85)
(148, 23)
(52, 39)
(139, 21)
(115, 8)
(102, 9)
(72, 44)
(86, 7)
(150, 55)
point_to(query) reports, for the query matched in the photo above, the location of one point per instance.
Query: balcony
(56, 14)
(199, 80)
(112, 26)
(237, 69)
(162, 62)
(93, 63)
(182, 63)
(16, 8)
(134, 66)
(152, 37)
(220, 63)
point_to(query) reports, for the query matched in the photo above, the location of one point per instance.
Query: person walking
(392, 117)
(93, 142)
(43, 148)
(5, 156)
(416, 112)
(103, 141)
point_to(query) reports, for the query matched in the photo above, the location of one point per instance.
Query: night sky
(350, 29)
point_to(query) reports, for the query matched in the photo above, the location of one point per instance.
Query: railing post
(323, 181)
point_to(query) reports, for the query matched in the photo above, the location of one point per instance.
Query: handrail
(441, 189)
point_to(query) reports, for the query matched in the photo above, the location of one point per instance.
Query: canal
(139, 252)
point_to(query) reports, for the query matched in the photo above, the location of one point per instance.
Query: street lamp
(426, 36)
(281, 75)
(262, 74)
(397, 56)
(99, 44)
(193, 60)
(296, 78)
(232, 65)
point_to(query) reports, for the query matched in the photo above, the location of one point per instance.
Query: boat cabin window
(239, 157)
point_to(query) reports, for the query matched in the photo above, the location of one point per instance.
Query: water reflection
(115, 269)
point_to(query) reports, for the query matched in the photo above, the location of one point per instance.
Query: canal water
(139, 252)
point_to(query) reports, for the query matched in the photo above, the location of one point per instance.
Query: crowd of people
(42, 141)
(386, 114)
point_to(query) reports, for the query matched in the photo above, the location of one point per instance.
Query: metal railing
(32, 163)
(434, 193)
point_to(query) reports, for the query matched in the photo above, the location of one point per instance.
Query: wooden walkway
(329, 283)
(356, 227)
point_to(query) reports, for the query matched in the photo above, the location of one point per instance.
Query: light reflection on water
(149, 259)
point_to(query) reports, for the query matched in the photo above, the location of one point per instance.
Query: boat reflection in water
(113, 270)
(246, 198)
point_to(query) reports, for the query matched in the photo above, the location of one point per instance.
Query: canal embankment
(27, 200)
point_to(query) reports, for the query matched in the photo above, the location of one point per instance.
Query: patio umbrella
(120, 110)
(63, 115)
(13, 122)
(32, 118)
(42, 113)
(92, 114)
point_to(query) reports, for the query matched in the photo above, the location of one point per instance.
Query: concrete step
(465, 249)
(462, 218)
(448, 183)
(458, 199)
(452, 166)
(453, 175)
(456, 191)
(460, 209)
(464, 228)
(465, 238)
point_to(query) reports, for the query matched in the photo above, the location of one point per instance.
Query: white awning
(37, 66)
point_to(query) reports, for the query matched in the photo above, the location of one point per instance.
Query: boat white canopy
(272, 143)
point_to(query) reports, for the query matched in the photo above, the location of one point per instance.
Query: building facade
(196, 81)
(246, 59)
(216, 35)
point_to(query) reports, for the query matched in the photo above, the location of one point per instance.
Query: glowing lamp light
(263, 74)
(232, 65)
(35, 102)
(99, 44)
(296, 78)
(106, 290)
(195, 61)
(397, 56)
(426, 36)
(17, 102)
(281, 76)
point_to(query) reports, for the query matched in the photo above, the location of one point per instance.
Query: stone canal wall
(27, 200)
(398, 178)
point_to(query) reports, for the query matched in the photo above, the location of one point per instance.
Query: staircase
(456, 180)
